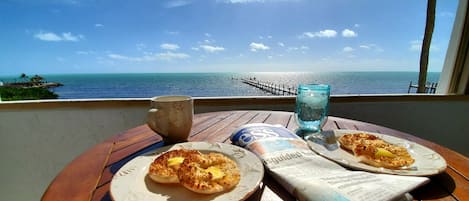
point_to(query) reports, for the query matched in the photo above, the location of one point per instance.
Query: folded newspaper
(309, 176)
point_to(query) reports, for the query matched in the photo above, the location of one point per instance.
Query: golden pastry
(209, 173)
(165, 167)
(374, 151)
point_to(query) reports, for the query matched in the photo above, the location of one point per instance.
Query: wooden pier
(430, 87)
(269, 87)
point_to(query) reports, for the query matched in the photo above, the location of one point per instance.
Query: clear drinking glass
(312, 105)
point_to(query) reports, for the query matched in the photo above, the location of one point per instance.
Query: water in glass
(312, 103)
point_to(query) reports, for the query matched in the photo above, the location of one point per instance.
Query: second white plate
(427, 162)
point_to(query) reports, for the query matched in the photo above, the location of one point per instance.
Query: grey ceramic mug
(171, 117)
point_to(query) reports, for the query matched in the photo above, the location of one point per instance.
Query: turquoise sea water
(146, 85)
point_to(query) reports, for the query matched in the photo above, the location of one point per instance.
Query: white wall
(37, 144)
(39, 139)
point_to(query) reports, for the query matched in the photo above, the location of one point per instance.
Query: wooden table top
(88, 177)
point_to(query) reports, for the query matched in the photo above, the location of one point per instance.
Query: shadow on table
(117, 165)
(440, 186)
(106, 197)
(325, 138)
(270, 189)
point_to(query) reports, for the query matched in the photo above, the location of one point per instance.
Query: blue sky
(117, 36)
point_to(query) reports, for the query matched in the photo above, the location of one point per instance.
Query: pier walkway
(269, 87)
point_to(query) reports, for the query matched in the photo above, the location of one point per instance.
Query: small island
(28, 88)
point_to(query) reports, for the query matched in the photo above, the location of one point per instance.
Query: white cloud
(281, 44)
(371, 47)
(258, 46)
(209, 41)
(348, 49)
(302, 48)
(84, 52)
(168, 56)
(212, 49)
(69, 37)
(356, 25)
(416, 45)
(50, 36)
(327, 33)
(349, 33)
(265, 37)
(122, 57)
(206, 41)
(98, 25)
(207, 35)
(169, 46)
(365, 47)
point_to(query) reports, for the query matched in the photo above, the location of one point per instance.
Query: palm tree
(427, 39)
(23, 76)
(36, 79)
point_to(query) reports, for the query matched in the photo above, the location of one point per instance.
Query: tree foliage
(12, 94)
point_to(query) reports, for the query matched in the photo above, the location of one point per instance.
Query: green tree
(23, 77)
(13, 93)
(36, 79)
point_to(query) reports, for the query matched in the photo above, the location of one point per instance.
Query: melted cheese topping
(383, 152)
(216, 172)
(175, 161)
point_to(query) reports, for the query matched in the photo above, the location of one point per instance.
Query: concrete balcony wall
(40, 137)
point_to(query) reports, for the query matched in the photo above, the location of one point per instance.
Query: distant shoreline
(31, 84)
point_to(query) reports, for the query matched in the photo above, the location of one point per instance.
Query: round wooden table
(88, 176)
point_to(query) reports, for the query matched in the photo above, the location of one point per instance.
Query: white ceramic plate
(132, 183)
(427, 162)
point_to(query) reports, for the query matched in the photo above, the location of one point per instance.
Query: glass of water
(312, 105)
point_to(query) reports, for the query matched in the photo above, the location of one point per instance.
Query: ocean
(145, 85)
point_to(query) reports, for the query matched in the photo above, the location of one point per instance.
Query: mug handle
(152, 117)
